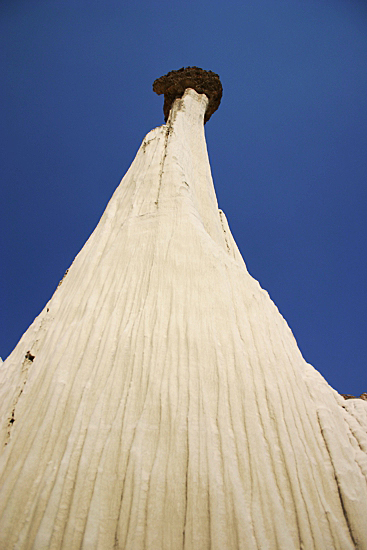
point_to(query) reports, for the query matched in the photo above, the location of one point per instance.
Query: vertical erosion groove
(27, 362)
(166, 137)
(325, 437)
(224, 231)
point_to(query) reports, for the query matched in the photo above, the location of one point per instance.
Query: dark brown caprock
(174, 83)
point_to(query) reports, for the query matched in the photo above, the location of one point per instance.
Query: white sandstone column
(160, 401)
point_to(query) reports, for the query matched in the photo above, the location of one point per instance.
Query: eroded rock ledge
(174, 83)
(348, 396)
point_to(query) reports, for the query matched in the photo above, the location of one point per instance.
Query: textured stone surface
(160, 401)
(173, 85)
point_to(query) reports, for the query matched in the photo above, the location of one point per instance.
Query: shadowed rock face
(174, 83)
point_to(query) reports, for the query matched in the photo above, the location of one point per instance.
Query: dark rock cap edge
(174, 84)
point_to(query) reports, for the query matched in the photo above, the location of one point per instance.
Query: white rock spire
(160, 401)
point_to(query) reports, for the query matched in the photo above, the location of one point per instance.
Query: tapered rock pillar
(160, 401)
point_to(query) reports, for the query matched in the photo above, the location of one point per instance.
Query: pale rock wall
(167, 404)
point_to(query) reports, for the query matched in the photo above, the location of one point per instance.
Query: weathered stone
(174, 83)
(168, 405)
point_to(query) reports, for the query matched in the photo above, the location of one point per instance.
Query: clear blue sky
(288, 147)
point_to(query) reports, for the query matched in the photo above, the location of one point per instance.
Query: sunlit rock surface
(160, 401)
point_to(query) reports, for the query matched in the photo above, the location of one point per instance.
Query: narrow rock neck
(185, 166)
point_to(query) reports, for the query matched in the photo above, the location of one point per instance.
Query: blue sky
(288, 147)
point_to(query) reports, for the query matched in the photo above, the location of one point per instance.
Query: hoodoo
(159, 400)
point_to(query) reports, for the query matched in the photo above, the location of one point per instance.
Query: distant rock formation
(174, 83)
(349, 396)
